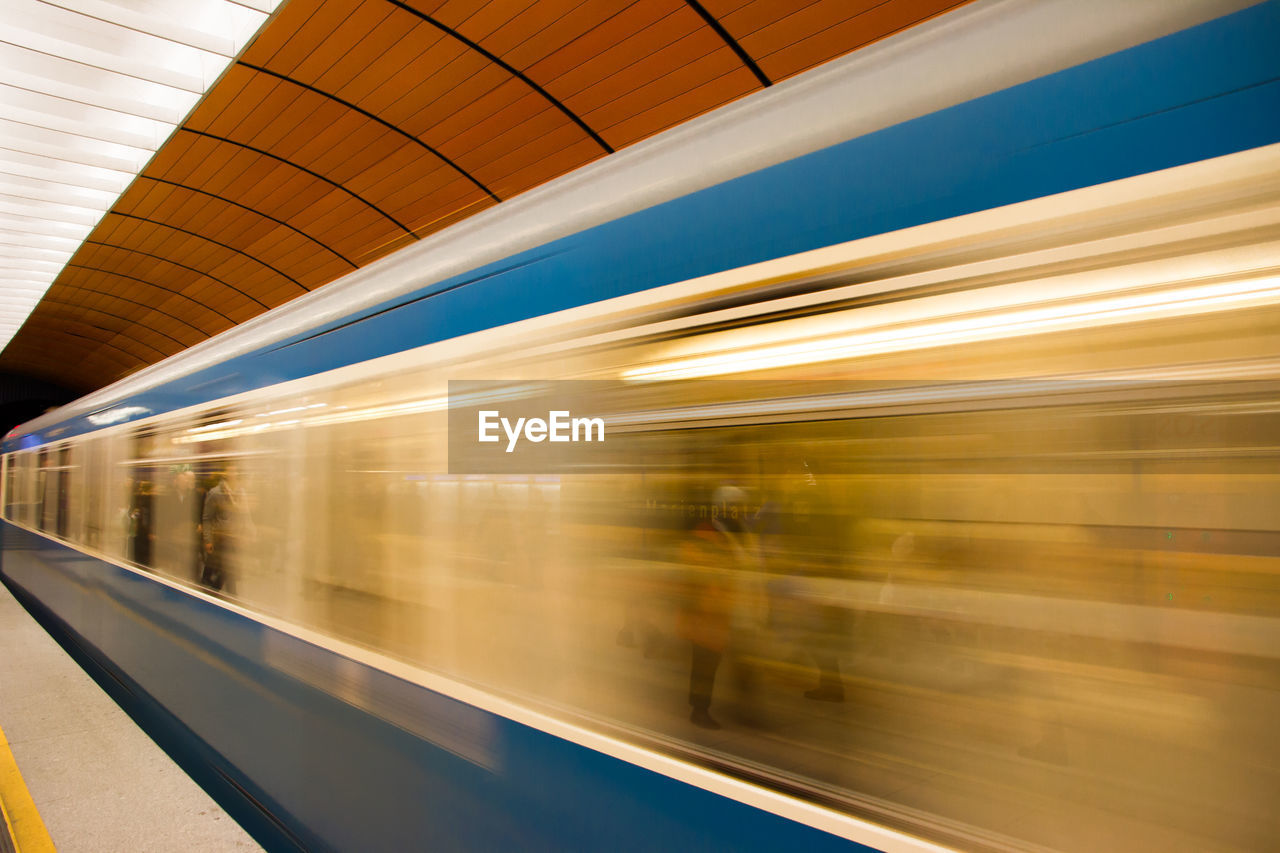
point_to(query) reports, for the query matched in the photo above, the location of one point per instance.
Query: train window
(43, 483)
(140, 485)
(93, 485)
(10, 485)
(212, 495)
(27, 513)
(66, 479)
(53, 483)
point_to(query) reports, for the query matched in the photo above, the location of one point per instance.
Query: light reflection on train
(966, 601)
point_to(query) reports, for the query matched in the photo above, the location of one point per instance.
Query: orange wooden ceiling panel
(365, 81)
(135, 271)
(401, 93)
(342, 225)
(111, 325)
(103, 261)
(623, 91)
(807, 50)
(230, 299)
(406, 192)
(582, 61)
(344, 45)
(190, 323)
(462, 77)
(744, 19)
(282, 121)
(309, 27)
(504, 130)
(534, 139)
(200, 252)
(303, 202)
(570, 157)
(290, 18)
(291, 195)
(350, 98)
(643, 52)
(228, 103)
(127, 351)
(419, 56)
(802, 23)
(457, 109)
(535, 162)
(340, 144)
(203, 162)
(478, 21)
(389, 43)
(657, 79)
(531, 36)
(706, 96)
(418, 210)
(539, 122)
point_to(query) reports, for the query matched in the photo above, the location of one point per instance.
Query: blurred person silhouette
(225, 529)
(141, 530)
(704, 614)
(180, 516)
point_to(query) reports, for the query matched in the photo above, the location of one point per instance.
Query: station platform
(76, 773)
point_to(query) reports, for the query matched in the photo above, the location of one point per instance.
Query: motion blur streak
(1165, 302)
(1005, 571)
(939, 502)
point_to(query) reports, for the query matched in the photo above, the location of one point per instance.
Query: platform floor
(97, 781)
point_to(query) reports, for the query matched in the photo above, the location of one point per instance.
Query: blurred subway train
(938, 504)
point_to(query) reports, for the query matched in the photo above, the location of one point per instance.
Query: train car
(935, 506)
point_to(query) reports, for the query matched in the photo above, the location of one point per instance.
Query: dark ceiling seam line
(254, 210)
(535, 35)
(62, 321)
(572, 116)
(714, 23)
(132, 363)
(200, 236)
(131, 321)
(379, 120)
(152, 283)
(114, 361)
(109, 295)
(315, 175)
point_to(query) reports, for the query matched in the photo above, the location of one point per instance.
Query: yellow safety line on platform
(18, 809)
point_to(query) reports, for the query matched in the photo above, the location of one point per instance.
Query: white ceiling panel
(89, 90)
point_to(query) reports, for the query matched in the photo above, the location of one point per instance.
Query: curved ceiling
(350, 128)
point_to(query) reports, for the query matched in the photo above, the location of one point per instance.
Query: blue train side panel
(235, 701)
(1208, 91)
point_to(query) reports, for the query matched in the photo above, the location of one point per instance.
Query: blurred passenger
(704, 615)
(179, 515)
(141, 531)
(225, 527)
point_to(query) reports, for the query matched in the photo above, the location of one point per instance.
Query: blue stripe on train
(1208, 91)
(212, 686)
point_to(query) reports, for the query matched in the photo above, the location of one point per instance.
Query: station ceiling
(351, 128)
